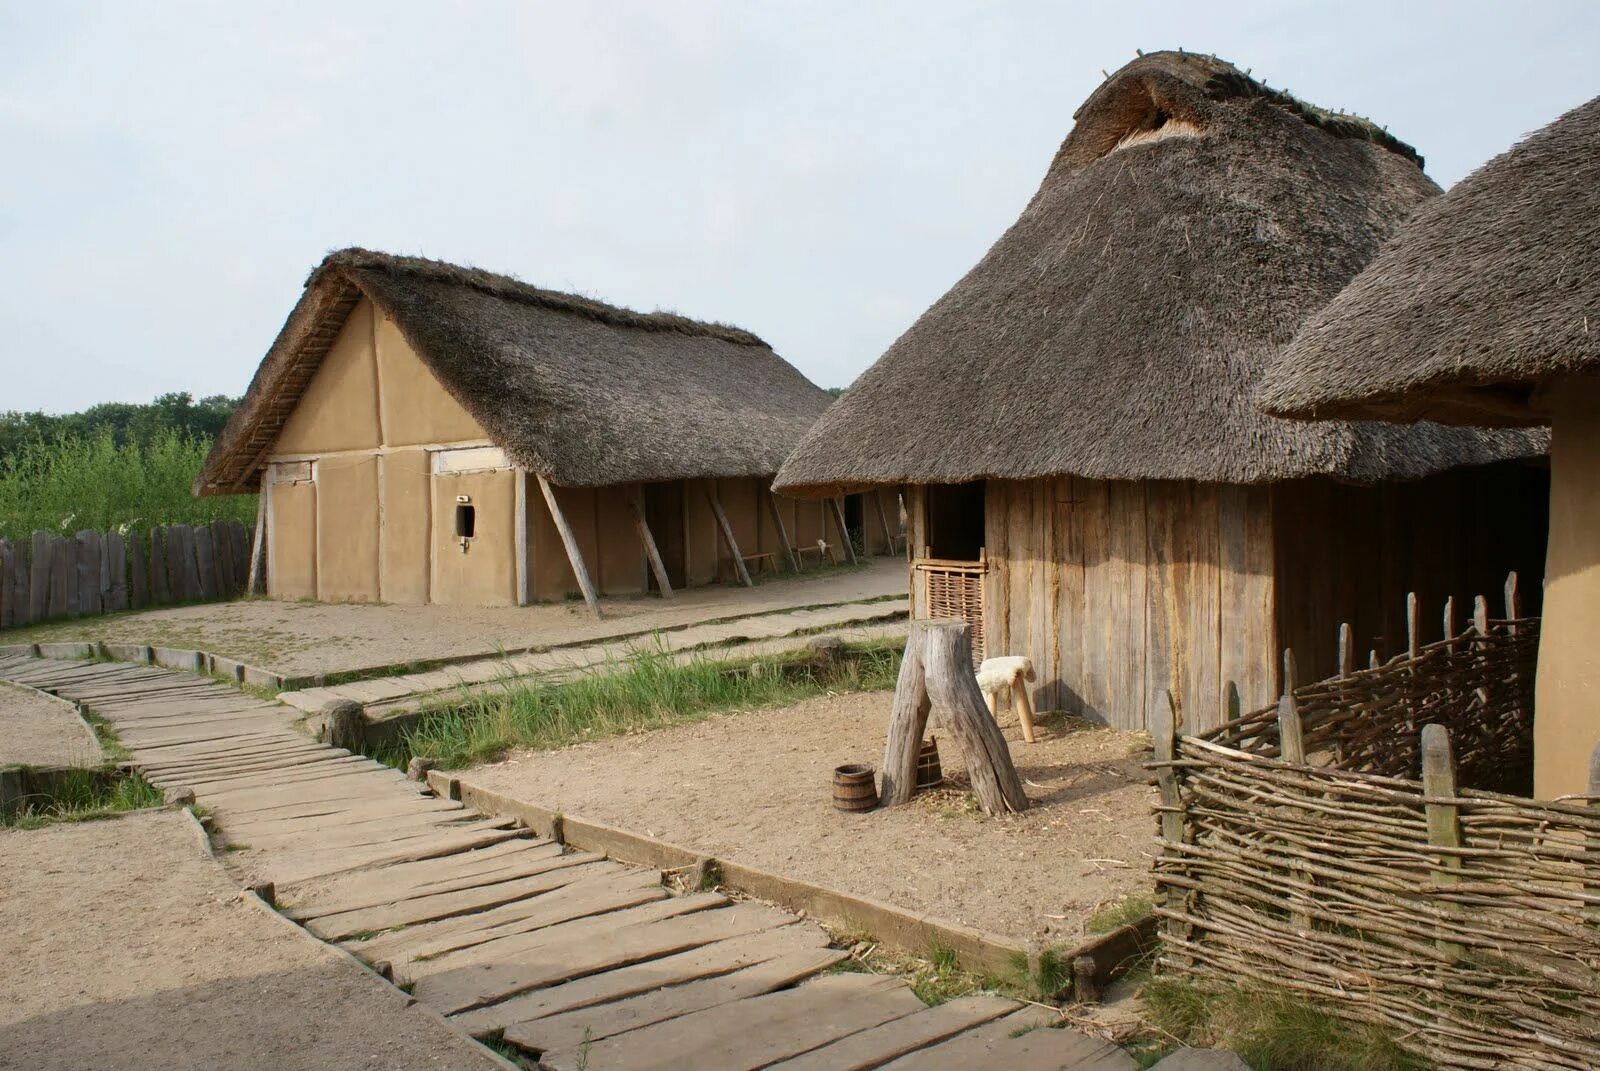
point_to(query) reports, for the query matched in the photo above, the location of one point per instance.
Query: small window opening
(466, 521)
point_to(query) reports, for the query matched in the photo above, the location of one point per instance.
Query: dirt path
(755, 787)
(125, 945)
(41, 730)
(301, 638)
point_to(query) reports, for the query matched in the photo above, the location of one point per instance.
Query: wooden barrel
(854, 788)
(928, 772)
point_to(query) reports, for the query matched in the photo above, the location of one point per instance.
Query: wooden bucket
(854, 788)
(928, 771)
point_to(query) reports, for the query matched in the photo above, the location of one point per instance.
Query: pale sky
(816, 172)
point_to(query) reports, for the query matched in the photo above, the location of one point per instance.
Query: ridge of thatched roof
(1491, 289)
(1188, 224)
(583, 392)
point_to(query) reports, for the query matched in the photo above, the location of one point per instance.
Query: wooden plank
(570, 542)
(156, 573)
(566, 952)
(744, 1026)
(648, 541)
(725, 529)
(21, 589)
(522, 564)
(1199, 607)
(8, 609)
(205, 558)
(239, 540)
(41, 564)
(63, 576)
(222, 565)
(782, 530)
(719, 957)
(114, 573)
(997, 580)
(1067, 620)
(974, 1048)
(837, 513)
(340, 860)
(1099, 580)
(870, 1048)
(1444, 826)
(178, 569)
(1167, 507)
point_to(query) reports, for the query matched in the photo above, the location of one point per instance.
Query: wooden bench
(823, 552)
(753, 563)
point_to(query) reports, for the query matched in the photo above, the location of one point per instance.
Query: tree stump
(347, 725)
(936, 675)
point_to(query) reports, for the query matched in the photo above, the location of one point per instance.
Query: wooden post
(63, 577)
(205, 557)
(636, 504)
(1164, 736)
(1292, 748)
(1513, 600)
(1347, 650)
(883, 519)
(1289, 676)
(570, 542)
(1592, 887)
(519, 532)
(953, 691)
(39, 577)
(256, 583)
(1480, 616)
(837, 513)
(114, 572)
(727, 533)
(139, 593)
(908, 720)
(1444, 827)
(1413, 625)
(160, 590)
(8, 610)
(1450, 617)
(783, 532)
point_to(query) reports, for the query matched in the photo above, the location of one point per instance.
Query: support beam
(570, 541)
(636, 504)
(256, 584)
(783, 532)
(883, 518)
(727, 534)
(520, 528)
(837, 513)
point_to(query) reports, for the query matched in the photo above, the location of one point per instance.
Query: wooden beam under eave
(783, 532)
(727, 534)
(844, 533)
(636, 504)
(570, 542)
(520, 534)
(883, 518)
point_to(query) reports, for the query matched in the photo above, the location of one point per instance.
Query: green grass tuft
(1115, 915)
(650, 691)
(85, 796)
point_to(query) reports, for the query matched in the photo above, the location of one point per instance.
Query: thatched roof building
(422, 432)
(1089, 475)
(1486, 309)
(583, 392)
(1493, 288)
(1189, 223)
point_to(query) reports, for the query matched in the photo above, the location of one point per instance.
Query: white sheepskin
(996, 674)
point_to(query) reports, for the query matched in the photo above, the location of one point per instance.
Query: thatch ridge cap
(509, 287)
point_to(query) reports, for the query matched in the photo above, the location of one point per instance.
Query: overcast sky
(816, 172)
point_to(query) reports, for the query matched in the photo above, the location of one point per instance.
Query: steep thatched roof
(580, 391)
(1492, 288)
(1188, 224)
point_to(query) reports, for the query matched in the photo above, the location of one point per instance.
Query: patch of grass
(85, 796)
(1118, 913)
(510, 1052)
(934, 978)
(104, 735)
(651, 690)
(1271, 1031)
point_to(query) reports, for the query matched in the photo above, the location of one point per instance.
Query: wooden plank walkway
(583, 961)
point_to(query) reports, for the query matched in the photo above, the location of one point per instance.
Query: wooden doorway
(663, 512)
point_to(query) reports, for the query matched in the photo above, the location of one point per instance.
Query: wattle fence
(55, 576)
(1322, 848)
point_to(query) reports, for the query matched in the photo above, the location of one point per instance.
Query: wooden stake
(883, 519)
(908, 721)
(783, 532)
(570, 542)
(1291, 735)
(1444, 827)
(1513, 600)
(1164, 736)
(727, 534)
(1480, 616)
(256, 584)
(1289, 676)
(1413, 625)
(1347, 650)
(1593, 888)
(636, 504)
(1450, 617)
(837, 513)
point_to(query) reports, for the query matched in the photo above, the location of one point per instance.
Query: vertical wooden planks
(8, 609)
(222, 547)
(177, 579)
(1099, 584)
(1042, 595)
(160, 581)
(1199, 608)
(917, 525)
(997, 581)
(63, 576)
(205, 560)
(88, 567)
(39, 569)
(239, 541)
(114, 573)
(1167, 506)
(1127, 602)
(138, 577)
(1067, 615)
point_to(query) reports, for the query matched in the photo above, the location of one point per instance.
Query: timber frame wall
(1121, 591)
(1327, 847)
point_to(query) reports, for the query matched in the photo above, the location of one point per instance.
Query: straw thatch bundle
(1187, 226)
(1493, 287)
(583, 392)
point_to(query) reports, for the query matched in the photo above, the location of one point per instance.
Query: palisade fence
(54, 576)
(1323, 848)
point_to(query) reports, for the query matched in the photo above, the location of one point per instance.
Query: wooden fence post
(1347, 650)
(1444, 826)
(1513, 599)
(8, 610)
(1292, 748)
(88, 565)
(1164, 736)
(1413, 646)
(63, 576)
(1289, 676)
(139, 593)
(114, 572)
(1449, 617)
(205, 559)
(39, 566)
(160, 583)
(1592, 886)
(18, 580)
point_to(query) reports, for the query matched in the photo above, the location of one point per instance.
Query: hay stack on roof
(1189, 223)
(1494, 286)
(584, 393)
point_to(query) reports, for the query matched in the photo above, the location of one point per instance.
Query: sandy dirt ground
(756, 787)
(295, 638)
(41, 730)
(122, 944)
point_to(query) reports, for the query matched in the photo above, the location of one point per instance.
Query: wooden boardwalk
(583, 961)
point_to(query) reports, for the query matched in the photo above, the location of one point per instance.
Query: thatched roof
(1492, 288)
(1188, 224)
(583, 392)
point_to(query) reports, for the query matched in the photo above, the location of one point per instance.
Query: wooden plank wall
(90, 573)
(1120, 590)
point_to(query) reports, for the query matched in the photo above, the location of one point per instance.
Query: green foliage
(651, 690)
(70, 484)
(1271, 1031)
(1108, 917)
(128, 425)
(86, 795)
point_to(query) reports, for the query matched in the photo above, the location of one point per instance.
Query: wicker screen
(955, 592)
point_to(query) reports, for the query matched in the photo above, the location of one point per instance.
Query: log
(946, 656)
(8, 609)
(837, 513)
(39, 569)
(160, 586)
(255, 583)
(908, 720)
(205, 556)
(783, 532)
(89, 602)
(570, 542)
(727, 534)
(883, 519)
(114, 572)
(648, 541)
